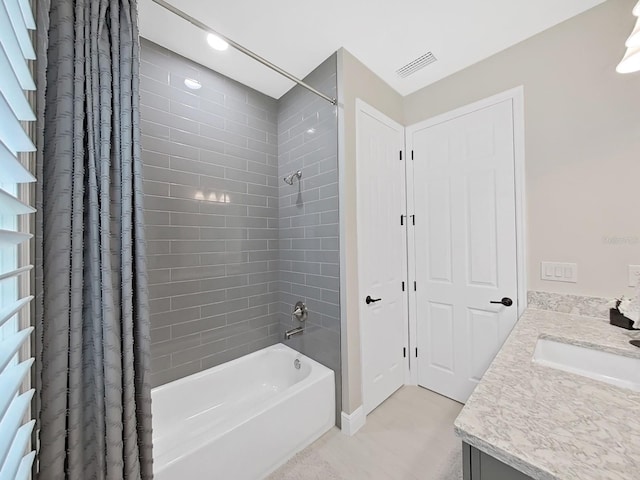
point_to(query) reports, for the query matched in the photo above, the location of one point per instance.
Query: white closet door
(465, 246)
(381, 254)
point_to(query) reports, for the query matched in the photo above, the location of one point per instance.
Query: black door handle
(506, 301)
(371, 300)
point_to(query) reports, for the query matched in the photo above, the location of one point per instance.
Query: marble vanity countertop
(550, 424)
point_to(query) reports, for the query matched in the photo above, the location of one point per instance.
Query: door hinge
(401, 220)
(400, 155)
(411, 154)
(416, 352)
(404, 352)
(415, 286)
(403, 286)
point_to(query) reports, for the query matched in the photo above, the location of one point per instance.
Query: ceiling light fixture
(216, 42)
(631, 60)
(192, 83)
(634, 38)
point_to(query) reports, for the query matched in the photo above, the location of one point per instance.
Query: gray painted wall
(308, 218)
(211, 201)
(581, 123)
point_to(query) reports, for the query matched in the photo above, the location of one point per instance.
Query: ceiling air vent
(419, 63)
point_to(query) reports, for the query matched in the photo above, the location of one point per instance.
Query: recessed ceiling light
(311, 131)
(217, 43)
(192, 83)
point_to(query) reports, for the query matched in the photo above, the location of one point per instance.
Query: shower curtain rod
(242, 49)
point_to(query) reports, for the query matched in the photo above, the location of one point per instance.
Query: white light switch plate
(559, 272)
(634, 275)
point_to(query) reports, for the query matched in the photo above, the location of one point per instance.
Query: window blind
(16, 426)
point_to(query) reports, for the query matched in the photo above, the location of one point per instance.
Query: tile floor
(409, 437)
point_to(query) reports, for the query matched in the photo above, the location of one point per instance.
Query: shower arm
(289, 178)
(242, 49)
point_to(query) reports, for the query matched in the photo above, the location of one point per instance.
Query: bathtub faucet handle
(300, 311)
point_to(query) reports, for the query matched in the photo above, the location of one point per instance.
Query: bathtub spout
(290, 333)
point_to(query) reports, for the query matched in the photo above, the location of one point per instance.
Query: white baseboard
(354, 422)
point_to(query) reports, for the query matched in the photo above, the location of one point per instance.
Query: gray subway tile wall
(232, 247)
(309, 267)
(211, 213)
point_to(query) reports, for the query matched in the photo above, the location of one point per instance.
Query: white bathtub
(243, 419)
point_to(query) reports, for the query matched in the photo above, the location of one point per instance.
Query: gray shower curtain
(92, 315)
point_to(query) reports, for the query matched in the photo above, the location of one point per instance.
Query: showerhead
(289, 178)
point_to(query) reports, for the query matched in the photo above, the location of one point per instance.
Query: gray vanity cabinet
(477, 465)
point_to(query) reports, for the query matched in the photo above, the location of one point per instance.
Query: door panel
(441, 337)
(484, 329)
(465, 246)
(381, 199)
(482, 229)
(440, 264)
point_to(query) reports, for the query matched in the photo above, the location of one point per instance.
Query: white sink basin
(606, 367)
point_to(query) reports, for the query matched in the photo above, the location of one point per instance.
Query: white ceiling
(298, 35)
